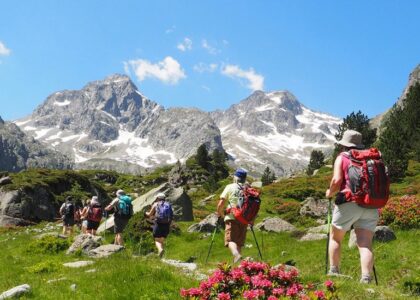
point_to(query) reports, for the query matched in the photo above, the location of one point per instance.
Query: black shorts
(161, 230)
(68, 221)
(92, 225)
(119, 224)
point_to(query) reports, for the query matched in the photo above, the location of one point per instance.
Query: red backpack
(368, 183)
(248, 206)
(95, 213)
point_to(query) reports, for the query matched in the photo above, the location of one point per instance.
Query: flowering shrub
(401, 212)
(259, 281)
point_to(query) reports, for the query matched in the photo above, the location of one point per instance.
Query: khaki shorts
(235, 232)
(347, 214)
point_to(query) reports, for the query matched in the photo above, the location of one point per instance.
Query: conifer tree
(202, 156)
(268, 176)
(315, 162)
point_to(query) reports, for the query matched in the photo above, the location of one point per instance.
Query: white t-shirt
(231, 193)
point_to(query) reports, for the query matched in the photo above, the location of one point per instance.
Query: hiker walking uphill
(355, 172)
(93, 215)
(123, 211)
(235, 231)
(163, 214)
(67, 215)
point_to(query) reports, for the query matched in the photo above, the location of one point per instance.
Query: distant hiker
(67, 214)
(123, 211)
(93, 215)
(83, 216)
(235, 231)
(162, 213)
(350, 208)
(78, 215)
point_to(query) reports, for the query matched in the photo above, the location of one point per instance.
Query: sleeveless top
(345, 162)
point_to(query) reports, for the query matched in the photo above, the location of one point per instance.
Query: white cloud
(203, 67)
(185, 45)
(3, 49)
(168, 70)
(254, 81)
(210, 49)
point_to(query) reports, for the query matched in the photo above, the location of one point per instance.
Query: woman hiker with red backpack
(355, 172)
(93, 214)
(163, 214)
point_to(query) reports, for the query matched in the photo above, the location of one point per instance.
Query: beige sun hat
(351, 138)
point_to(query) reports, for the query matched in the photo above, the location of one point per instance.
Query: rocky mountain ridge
(109, 123)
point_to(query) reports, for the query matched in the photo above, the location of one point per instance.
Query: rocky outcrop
(181, 204)
(208, 224)
(275, 225)
(314, 208)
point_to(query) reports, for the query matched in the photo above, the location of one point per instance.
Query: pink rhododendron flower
(253, 294)
(223, 296)
(278, 291)
(272, 298)
(329, 284)
(319, 295)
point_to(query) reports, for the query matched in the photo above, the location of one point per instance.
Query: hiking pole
(374, 274)
(212, 240)
(328, 235)
(256, 242)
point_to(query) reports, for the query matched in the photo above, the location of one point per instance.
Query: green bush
(138, 234)
(43, 267)
(403, 212)
(289, 211)
(48, 244)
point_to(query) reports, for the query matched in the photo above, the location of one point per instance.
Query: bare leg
(118, 239)
(64, 229)
(235, 250)
(334, 249)
(364, 243)
(159, 242)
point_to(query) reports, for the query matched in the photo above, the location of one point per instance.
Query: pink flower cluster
(259, 281)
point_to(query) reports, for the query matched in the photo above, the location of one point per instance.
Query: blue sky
(335, 56)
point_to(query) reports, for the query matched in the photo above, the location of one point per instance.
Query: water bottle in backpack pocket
(164, 212)
(125, 207)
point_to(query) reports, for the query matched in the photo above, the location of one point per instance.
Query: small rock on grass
(78, 264)
(55, 280)
(73, 287)
(16, 291)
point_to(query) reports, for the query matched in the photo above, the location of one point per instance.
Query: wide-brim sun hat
(161, 196)
(351, 139)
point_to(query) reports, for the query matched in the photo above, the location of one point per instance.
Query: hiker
(162, 213)
(78, 215)
(93, 215)
(348, 213)
(235, 232)
(123, 210)
(83, 216)
(67, 215)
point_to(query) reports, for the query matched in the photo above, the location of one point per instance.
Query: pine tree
(359, 122)
(315, 162)
(202, 156)
(268, 176)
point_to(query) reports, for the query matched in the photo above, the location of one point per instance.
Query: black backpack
(69, 210)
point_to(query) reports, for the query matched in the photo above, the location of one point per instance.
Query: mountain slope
(275, 130)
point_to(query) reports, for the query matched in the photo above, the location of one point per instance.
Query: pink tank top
(345, 162)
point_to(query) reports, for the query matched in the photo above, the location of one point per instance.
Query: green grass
(126, 277)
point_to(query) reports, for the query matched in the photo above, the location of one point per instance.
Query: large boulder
(208, 224)
(275, 225)
(181, 204)
(10, 221)
(105, 250)
(314, 208)
(85, 243)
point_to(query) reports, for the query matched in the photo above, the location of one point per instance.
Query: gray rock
(208, 224)
(78, 264)
(5, 180)
(181, 204)
(183, 265)
(206, 200)
(314, 208)
(319, 229)
(53, 234)
(16, 291)
(384, 234)
(10, 221)
(313, 237)
(73, 287)
(56, 280)
(105, 250)
(275, 225)
(90, 271)
(85, 242)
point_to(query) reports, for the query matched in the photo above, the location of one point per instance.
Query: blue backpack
(125, 208)
(164, 212)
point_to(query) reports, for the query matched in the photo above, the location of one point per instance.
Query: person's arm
(221, 207)
(151, 212)
(337, 178)
(111, 205)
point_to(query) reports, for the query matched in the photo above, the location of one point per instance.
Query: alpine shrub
(43, 267)
(257, 280)
(48, 244)
(403, 212)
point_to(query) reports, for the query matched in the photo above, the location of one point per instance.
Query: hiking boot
(161, 253)
(365, 280)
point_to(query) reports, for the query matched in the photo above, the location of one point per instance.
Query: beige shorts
(235, 232)
(347, 214)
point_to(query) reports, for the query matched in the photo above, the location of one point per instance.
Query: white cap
(120, 192)
(160, 196)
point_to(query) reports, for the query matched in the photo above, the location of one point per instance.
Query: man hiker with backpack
(123, 211)
(355, 173)
(163, 215)
(93, 214)
(67, 215)
(235, 231)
